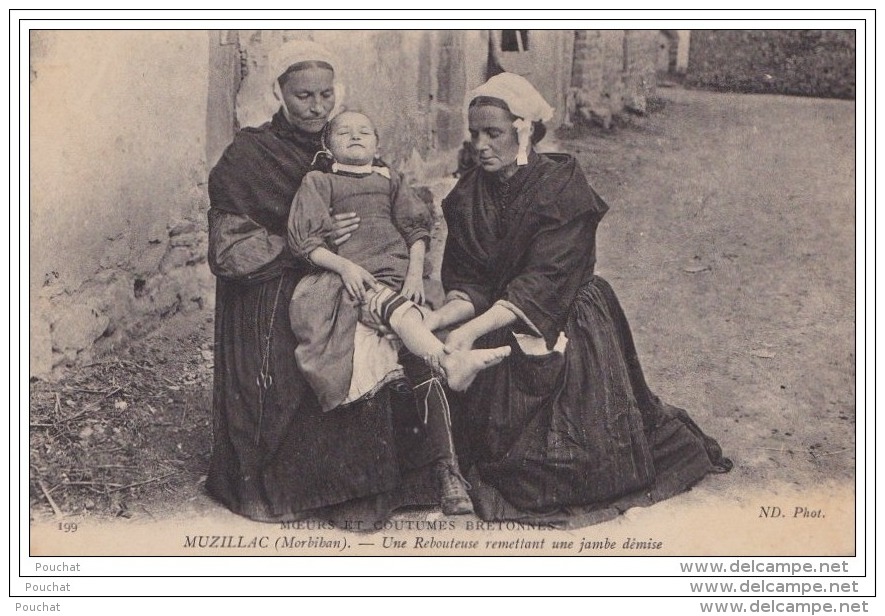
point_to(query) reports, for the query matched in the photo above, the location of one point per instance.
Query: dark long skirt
(275, 455)
(577, 437)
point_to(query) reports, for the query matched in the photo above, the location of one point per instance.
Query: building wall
(598, 88)
(117, 141)
(802, 62)
(546, 63)
(682, 51)
(225, 75)
(640, 55)
(616, 70)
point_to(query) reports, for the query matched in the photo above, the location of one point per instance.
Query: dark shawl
(529, 241)
(251, 190)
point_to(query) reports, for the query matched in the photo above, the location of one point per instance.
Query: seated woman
(565, 430)
(276, 455)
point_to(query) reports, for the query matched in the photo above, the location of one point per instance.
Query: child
(374, 277)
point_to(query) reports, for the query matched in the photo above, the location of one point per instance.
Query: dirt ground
(730, 241)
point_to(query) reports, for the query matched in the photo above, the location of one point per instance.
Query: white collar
(361, 169)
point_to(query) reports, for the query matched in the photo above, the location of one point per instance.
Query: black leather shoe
(452, 490)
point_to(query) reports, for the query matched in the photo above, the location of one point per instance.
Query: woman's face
(308, 97)
(494, 137)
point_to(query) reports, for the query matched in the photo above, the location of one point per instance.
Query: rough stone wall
(614, 71)
(640, 55)
(801, 62)
(117, 196)
(597, 85)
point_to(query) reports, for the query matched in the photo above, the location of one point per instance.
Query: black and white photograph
(604, 303)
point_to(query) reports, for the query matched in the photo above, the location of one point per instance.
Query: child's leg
(406, 320)
(460, 367)
(433, 405)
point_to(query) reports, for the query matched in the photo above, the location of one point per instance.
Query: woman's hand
(413, 289)
(343, 226)
(460, 339)
(356, 279)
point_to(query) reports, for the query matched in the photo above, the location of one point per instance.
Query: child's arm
(414, 220)
(413, 286)
(354, 277)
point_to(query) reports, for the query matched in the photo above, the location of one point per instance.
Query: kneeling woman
(566, 427)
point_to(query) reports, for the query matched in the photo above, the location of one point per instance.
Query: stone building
(125, 125)
(618, 70)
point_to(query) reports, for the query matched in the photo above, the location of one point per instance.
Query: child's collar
(360, 169)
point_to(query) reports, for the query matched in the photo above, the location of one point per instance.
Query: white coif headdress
(287, 55)
(524, 101)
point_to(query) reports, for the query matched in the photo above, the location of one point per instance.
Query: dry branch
(141, 483)
(55, 509)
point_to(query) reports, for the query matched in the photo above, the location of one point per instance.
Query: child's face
(352, 139)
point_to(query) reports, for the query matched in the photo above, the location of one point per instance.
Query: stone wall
(613, 71)
(117, 196)
(640, 56)
(802, 62)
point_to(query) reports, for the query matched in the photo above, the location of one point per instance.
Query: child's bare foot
(461, 367)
